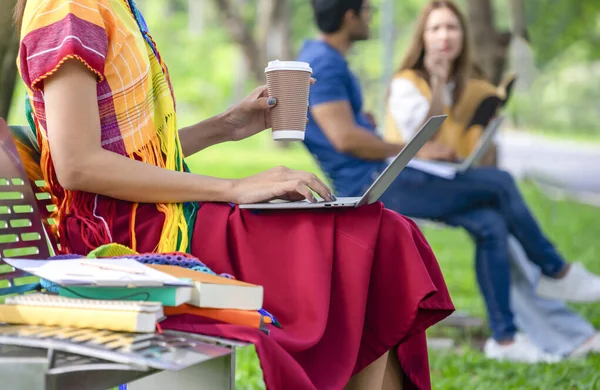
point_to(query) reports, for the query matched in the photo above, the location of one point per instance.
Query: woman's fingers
(313, 182)
(303, 190)
(308, 180)
(319, 185)
(294, 190)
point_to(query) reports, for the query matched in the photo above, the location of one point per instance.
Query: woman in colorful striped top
(347, 285)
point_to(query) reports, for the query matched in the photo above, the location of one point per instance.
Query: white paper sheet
(97, 272)
(436, 168)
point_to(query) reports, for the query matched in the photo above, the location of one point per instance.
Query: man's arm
(337, 122)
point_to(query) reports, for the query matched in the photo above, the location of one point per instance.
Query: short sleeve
(407, 106)
(331, 85)
(56, 30)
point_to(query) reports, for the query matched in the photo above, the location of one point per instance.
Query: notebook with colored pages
(52, 310)
(216, 292)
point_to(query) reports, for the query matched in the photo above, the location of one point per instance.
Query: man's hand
(436, 151)
(371, 118)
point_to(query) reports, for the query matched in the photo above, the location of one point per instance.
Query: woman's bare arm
(73, 122)
(204, 134)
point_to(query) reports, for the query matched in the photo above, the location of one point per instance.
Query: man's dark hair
(329, 14)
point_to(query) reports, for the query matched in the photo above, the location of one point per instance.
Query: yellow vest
(462, 128)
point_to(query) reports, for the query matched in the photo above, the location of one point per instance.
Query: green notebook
(168, 296)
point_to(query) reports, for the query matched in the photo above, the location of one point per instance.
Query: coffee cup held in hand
(289, 83)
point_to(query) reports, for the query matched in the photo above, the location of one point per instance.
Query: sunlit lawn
(574, 228)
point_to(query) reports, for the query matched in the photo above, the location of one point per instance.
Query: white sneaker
(521, 350)
(590, 346)
(578, 285)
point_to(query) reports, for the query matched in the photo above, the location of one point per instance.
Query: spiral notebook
(52, 310)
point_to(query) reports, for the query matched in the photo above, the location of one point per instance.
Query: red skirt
(347, 285)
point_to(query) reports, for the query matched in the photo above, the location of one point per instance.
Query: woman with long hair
(340, 282)
(434, 79)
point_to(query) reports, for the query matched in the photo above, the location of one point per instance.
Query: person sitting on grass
(355, 290)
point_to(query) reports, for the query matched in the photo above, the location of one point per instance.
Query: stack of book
(124, 295)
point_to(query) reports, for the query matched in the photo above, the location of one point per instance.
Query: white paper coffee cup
(289, 83)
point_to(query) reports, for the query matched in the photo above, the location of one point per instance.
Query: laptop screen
(401, 160)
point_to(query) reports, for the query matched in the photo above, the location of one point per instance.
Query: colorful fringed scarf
(135, 100)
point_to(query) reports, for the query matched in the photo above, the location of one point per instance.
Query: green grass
(574, 229)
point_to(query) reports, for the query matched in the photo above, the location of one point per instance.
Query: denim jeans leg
(490, 233)
(520, 220)
(549, 323)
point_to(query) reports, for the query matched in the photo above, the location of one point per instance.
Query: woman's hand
(438, 67)
(251, 116)
(279, 183)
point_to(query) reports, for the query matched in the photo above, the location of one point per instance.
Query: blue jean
(549, 323)
(487, 203)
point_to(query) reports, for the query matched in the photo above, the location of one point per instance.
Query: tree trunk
(196, 16)
(265, 15)
(270, 38)
(242, 34)
(175, 6)
(490, 46)
(518, 19)
(9, 46)
(278, 42)
(279, 39)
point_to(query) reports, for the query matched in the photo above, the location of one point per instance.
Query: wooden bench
(35, 357)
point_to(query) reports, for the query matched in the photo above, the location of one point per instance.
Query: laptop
(450, 169)
(379, 185)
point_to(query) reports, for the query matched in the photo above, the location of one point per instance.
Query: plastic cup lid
(288, 65)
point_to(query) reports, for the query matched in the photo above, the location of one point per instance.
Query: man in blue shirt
(339, 134)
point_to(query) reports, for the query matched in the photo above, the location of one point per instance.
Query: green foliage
(555, 25)
(564, 99)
